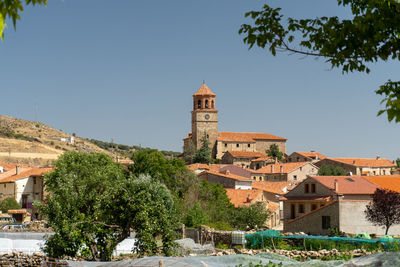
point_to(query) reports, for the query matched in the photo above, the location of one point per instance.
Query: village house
(205, 123)
(294, 171)
(388, 182)
(321, 203)
(360, 166)
(258, 163)
(24, 184)
(311, 156)
(241, 158)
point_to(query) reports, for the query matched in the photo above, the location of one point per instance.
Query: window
(312, 188)
(237, 145)
(5, 185)
(226, 145)
(301, 208)
(295, 177)
(313, 206)
(199, 104)
(301, 168)
(248, 145)
(212, 103)
(206, 103)
(306, 188)
(34, 180)
(208, 136)
(292, 211)
(326, 222)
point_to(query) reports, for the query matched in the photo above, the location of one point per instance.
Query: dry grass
(45, 148)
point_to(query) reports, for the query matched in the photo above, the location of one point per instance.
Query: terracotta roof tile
(240, 197)
(204, 90)
(365, 162)
(24, 172)
(347, 184)
(311, 154)
(246, 154)
(273, 187)
(246, 137)
(263, 159)
(272, 206)
(388, 182)
(276, 168)
(197, 166)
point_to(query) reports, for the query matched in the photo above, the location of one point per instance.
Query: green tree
(189, 151)
(92, 206)
(274, 152)
(372, 34)
(9, 204)
(203, 155)
(398, 162)
(196, 217)
(329, 170)
(12, 9)
(252, 217)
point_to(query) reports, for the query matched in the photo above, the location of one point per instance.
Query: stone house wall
(312, 223)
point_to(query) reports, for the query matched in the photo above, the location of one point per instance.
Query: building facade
(205, 125)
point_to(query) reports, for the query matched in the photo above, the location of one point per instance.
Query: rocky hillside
(35, 143)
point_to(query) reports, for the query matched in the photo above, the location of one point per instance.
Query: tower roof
(204, 90)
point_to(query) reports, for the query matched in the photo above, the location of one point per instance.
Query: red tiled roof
(19, 211)
(276, 168)
(273, 187)
(311, 154)
(347, 184)
(388, 182)
(365, 162)
(263, 159)
(197, 166)
(240, 197)
(272, 206)
(204, 90)
(246, 154)
(24, 172)
(246, 137)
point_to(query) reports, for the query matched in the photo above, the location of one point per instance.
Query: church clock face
(207, 116)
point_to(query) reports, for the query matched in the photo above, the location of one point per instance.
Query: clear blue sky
(127, 70)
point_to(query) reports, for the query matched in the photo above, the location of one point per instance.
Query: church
(205, 122)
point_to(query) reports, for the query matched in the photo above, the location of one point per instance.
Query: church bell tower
(204, 117)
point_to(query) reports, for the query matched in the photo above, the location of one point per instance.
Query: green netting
(271, 238)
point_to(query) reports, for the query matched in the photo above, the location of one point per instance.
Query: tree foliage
(384, 210)
(398, 162)
(329, 170)
(92, 206)
(372, 34)
(203, 155)
(189, 152)
(11, 9)
(251, 217)
(9, 204)
(274, 152)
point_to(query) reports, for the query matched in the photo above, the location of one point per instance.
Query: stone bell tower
(204, 117)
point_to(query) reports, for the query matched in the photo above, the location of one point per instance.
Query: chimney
(336, 185)
(378, 157)
(281, 169)
(227, 172)
(17, 170)
(276, 160)
(312, 151)
(354, 162)
(272, 168)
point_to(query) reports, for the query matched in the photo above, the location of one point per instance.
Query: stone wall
(37, 259)
(205, 234)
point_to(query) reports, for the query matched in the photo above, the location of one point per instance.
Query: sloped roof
(226, 175)
(240, 197)
(197, 166)
(357, 185)
(272, 187)
(388, 182)
(233, 169)
(276, 168)
(246, 154)
(272, 206)
(311, 154)
(262, 159)
(359, 162)
(24, 172)
(204, 91)
(246, 137)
